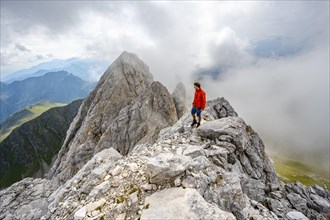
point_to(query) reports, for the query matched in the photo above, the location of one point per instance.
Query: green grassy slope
(24, 116)
(290, 170)
(31, 147)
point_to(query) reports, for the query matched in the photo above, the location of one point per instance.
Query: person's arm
(194, 99)
(203, 100)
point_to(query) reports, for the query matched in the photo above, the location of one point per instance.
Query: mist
(285, 100)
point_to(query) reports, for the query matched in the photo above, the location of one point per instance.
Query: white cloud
(225, 49)
(285, 100)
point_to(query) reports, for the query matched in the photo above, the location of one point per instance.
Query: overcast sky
(270, 59)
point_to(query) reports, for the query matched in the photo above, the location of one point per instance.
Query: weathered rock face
(244, 149)
(166, 166)
(218, 171)
(123, 110)
(179, 98)
(181, 204)
(140, 121)
(18, 200)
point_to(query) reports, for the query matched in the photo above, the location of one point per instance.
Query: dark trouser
(197, 111)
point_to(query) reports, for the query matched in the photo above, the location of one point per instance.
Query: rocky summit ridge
(130, 154)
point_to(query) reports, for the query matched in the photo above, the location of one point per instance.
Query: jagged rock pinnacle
(179, 98)
(124, 109)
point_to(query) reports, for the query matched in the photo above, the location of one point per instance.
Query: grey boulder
(179, 203)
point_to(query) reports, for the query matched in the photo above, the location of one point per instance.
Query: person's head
(197, 85)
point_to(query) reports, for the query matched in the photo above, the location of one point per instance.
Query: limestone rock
(255, 189)
(117, 171)
(294, 215)
(19, 199)
(122, 216)
(249, 148)
(313, 202)
(99, 189)
(179, 98)
(141, 120)
(166, 166)
(219, 108)
(92, 206)
(194, 151)
(80, 214)
(126, 79)
(297, 202)
(178, 203)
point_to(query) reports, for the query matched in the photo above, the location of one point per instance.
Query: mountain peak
(129, 59)
(126, 54)
(113, 103)
(55, 74)
(127, 62)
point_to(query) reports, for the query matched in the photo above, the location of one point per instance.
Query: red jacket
(199, 99)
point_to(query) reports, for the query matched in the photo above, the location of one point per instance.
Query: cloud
(285, 100)
(225, 50)
(22, 47)
(16, 56)
(55, 16)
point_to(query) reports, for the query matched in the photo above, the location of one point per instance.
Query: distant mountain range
(60, 87)
(25, 115)
(84, 69)
(30, 148)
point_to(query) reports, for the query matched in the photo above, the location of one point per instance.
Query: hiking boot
(193, 123)
(198, 124)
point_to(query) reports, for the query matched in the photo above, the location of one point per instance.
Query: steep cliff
(126, 108)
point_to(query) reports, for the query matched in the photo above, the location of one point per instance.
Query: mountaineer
(198, 104)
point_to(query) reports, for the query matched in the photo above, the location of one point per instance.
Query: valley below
(290, 169)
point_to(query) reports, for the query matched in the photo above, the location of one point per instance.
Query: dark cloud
(53, 15)
(22, 47)
(55, 18)
(40, 57)
(156, 19)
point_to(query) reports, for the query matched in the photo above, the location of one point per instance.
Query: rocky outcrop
(126, 108)
(122, 82)
(181, 204)
(27, 199)
(140, 121)
(179, 98)
(240, 146)
(166, 166)
(218, 171)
